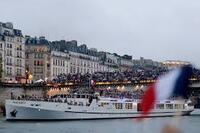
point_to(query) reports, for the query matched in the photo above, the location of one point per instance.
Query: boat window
(128, 105)
(80, 104)
(104, 104)
(159, 106)
(178, 106)
(169, 106)
(118, 105)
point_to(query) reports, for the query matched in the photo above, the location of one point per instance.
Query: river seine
(187, 124)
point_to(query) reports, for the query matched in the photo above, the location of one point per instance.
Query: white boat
(87, 107)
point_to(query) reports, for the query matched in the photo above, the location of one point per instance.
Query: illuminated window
(118, 105)
(129, 106)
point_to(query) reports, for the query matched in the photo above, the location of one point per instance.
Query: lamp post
(27, 76)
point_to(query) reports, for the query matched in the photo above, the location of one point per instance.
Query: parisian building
(28, 59)
(170, 64)
(82, 59)
(125, 63)
(146, 63)
(12, 54)
(60, 63)
(109, 61)
(38, 58)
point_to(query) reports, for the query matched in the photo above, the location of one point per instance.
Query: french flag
(174, 83)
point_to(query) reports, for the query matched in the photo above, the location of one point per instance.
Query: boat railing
(56, 100)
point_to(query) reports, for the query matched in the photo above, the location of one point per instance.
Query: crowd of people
(134, 75)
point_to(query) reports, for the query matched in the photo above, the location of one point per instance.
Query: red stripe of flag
(148, 100)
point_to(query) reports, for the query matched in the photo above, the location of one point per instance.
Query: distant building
(82, 59)
(109, 61)
(125, 63)
(2, 58)
(12, 53)
(83, 63)
(146, 63)
(174, 63)
(38, 57)
(60, 63)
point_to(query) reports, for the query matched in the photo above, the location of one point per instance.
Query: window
(179, 106)
(128, 105)
(104, 104)
(54, 62)
(169, 106)
(118, 105)
(71, 71)
(8, 52)
(9, 71)
(20, 47)
(38, 63)
(9, 61)
(160, 106)
(58, 62)
(54, 71)
(17, 54)
(19, 72)
(35, 55)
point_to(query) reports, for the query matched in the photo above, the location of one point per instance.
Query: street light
(27, 76)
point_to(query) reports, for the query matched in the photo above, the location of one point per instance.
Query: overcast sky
(156, 29)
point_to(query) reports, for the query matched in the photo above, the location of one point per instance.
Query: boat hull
(19, 112)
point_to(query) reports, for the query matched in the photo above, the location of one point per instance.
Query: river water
(187, 124)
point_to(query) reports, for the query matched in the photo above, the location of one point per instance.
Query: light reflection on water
(187, 124)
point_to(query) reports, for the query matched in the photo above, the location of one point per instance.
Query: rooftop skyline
(160, 30)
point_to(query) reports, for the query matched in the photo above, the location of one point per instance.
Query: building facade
(125, 63)
(109, 61)
(38, 58)
(82, 59)
(12, 52)
(60, 63)
(83, 63)
(170, 64)
(2, 62)
(146, 63)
